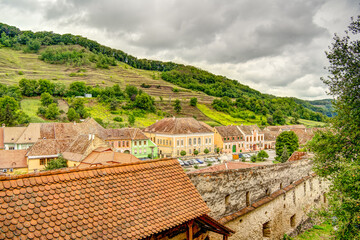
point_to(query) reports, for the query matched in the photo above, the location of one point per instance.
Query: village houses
(176, 135)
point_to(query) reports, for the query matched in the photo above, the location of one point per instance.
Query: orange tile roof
(13, 159)
(105, 156)
(12, 134)
(47, 147)
(178, 126)
(129, 201)
(247, 129)
(229, 131)
(228, 166)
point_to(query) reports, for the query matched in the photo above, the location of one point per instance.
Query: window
(123, 143)
(161, 141)
(139, 143)
(170, 142)
(182, 142)
(119, 143)
(139, 151)
(209, 140)
(199, 141)
(178, 143)
(4, 170)
(247, 199)
(233, 138)
(209, 149)
(189, 151)
(206, 140)
(145, 150)
(135, 143)
(167, 142)
(292, 221)
(11, 170)
(266, 229)
(224, 139)
(42, 162)
(158, 141)
(135, 151)
(11, 148)
(189, 141)
(178, 152)
(194, 141)
(127, 143)
(267, 192)
(238, 138)
(227, 199)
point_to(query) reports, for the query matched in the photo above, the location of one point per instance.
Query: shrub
(193, 101)
(20, 73)
(117, 119)
(243, 159)
(262, 155)
(196, 152)
(144, 85)
(206, 151)
(253, 158)
(175, 89)
(196, 166)
(182, 153)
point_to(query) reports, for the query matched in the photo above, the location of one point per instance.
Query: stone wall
(262, 202)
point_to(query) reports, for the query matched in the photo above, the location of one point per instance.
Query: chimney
(89, 136)
(226, 167)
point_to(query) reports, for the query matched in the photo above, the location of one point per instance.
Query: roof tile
(119, 201)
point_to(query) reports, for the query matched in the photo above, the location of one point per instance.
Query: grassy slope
(15, 65)
(318, 232)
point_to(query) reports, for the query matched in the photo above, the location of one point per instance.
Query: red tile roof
(13, 159)
(178, 126)
(227, 166)
(130, 201)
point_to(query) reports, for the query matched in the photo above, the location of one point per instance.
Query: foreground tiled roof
(13, 159)
(130, 201)
(227, 166)
(178, 126)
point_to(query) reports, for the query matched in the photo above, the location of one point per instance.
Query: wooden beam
(189, 232)
(225, 237)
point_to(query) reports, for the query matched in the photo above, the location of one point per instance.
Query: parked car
(181, 162)
(186, 163)
(199, 161)
(192, 161)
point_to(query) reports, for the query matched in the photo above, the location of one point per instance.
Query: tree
(72, 115)
(196, 152)
(295, 119)
(206, 151)
(46, 99)
(58, 163)
(177, 106)
(52, 112)
(46, 86)
(278, 117)
(79, 105)
(337, 149)
(288, 139)
(131, 119)
(284, 155)
(28, 87)
(144, 101)
(193, 101)
(182, 153)
(262, 155)
(8, 111)
(131, 92)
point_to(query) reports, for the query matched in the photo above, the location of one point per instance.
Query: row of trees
(14, 37)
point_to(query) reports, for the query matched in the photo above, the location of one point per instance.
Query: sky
(274, 46)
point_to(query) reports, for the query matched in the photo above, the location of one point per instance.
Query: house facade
(254, 138)
(131, 140)
(229, 139)
(13, 162)
(175, 136)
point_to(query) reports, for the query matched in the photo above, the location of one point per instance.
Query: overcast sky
(274, 46)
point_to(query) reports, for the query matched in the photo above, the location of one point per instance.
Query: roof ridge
(71, 170)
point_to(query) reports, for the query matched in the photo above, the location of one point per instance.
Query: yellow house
(45, 150)
(13, 162)
(175, 136)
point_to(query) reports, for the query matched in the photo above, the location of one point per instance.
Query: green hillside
(67, 58)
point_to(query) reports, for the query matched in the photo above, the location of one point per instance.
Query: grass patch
(309, 123)
(30, 107)
(226, 119)
(318, 232)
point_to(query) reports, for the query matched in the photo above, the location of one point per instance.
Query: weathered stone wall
(279, 198)
(225, 191)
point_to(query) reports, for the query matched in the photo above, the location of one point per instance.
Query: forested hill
(185, 76)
